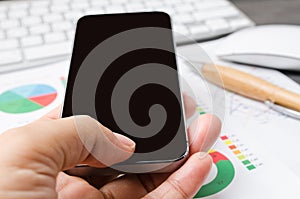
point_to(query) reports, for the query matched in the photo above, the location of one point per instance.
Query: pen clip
(283, 110)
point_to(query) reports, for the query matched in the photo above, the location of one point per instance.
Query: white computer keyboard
(38, 32)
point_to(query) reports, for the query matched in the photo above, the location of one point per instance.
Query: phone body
(136, 49)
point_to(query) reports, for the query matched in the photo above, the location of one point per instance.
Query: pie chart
(225, 175)
(27, 98)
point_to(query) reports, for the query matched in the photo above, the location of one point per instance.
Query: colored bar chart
(238, 153)
(200, 110)
(243, 158)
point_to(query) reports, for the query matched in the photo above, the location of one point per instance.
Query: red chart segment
(216, 156)
(44, 100)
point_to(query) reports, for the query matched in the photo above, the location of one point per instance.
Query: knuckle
(149, 196)
(107, 194)
(172, 188)
(175, 186)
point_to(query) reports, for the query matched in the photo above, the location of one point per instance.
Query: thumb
(104, 147)
(61, 144)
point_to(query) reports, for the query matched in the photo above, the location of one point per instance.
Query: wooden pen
(250, 86)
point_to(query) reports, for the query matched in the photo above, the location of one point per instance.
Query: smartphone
(123, 73)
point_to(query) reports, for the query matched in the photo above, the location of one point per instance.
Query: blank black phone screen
(123, 73)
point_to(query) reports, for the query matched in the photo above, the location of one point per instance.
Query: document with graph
(29, 94)
(255, 155)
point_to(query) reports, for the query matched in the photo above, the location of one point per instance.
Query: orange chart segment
(44, 100)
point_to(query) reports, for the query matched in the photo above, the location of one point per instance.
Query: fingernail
(203, 155)
(99, 141)
(126, 141)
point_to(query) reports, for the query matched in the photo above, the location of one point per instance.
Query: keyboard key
(74, 15)
(31, 41)
(220, 2)
(55, 37)
(240, 23)
(217, 13)
(17, 13)
(59, 8)
(40, 29)
(202, 29)
(32, 20)
(201, 15)
(94, 11)
(2, 15)
(153, 4)
(181, 29)
(117, 2)
(79, 5)
(115, 9)
(2, 35)
(71, 35)
(184, 8)
(53, 18)
(17, 32)
(61, 1)
(226, 12)
(184, 18)
(65, 25)
(37, 11)
(12, 23)
(135, 9)
(10, 57)
(99, 3)
(48, 51)
(174, 2)
(19, 6)
(204, 5)
(218, 25)
(3, 8)
(39, 4)
(135, 5)
(9, 44)
(170, 11)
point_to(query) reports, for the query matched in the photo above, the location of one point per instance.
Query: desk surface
(273, 11)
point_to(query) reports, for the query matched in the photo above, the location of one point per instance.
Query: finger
(189, 105)
(70, 187)
(103, 147)
(204, 132)
(184, 183)
(205, 128)
(64, 143)
(53, 114)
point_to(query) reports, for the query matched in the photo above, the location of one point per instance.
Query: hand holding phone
(123, 73)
